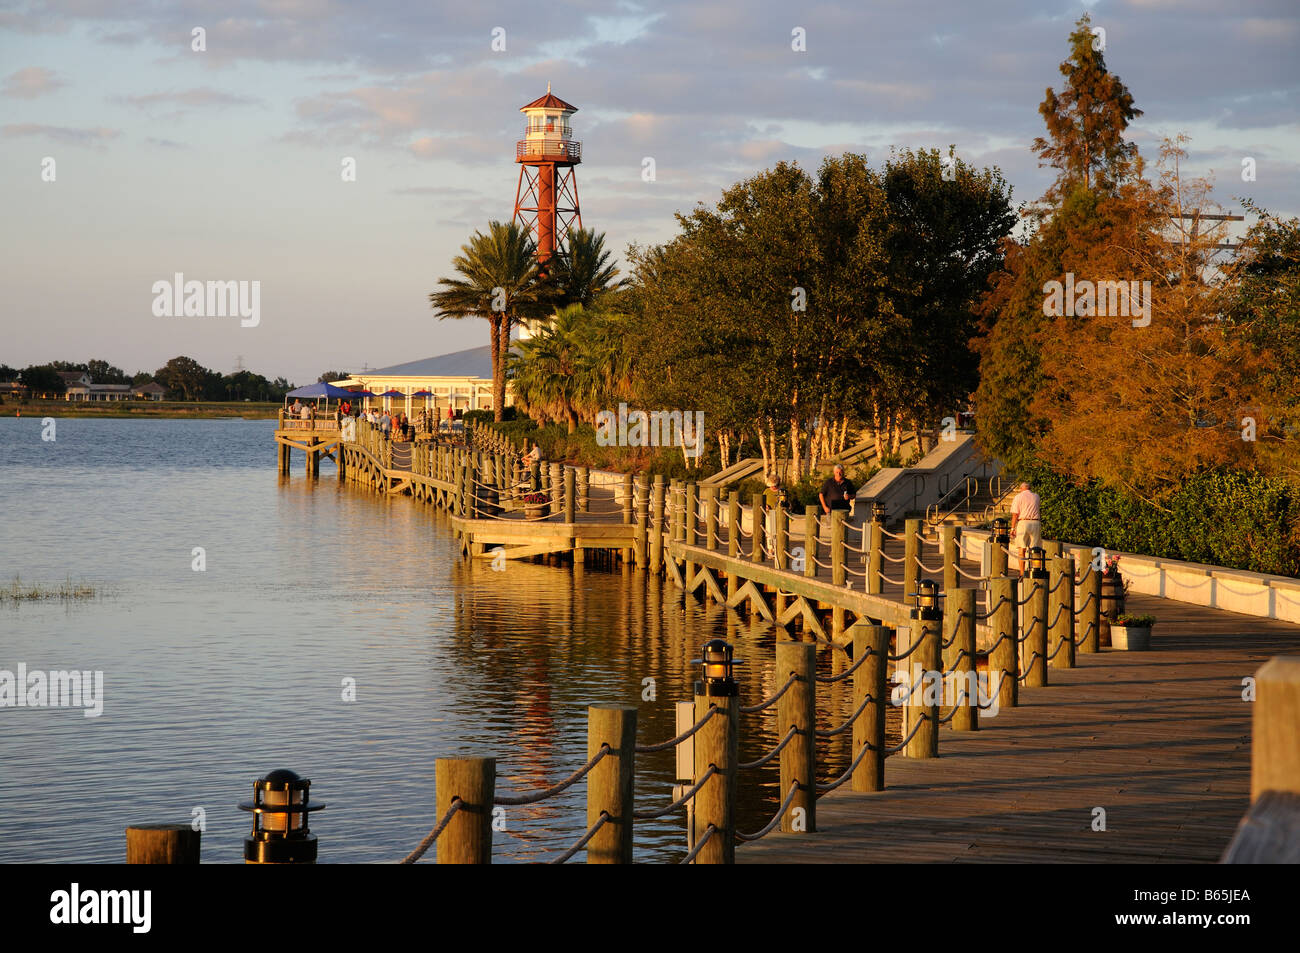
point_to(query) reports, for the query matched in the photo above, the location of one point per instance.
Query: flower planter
(1112, 604)
(1130, 638)
(536, 512)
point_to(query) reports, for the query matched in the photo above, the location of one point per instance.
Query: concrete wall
(915, 488)
(1233, 590)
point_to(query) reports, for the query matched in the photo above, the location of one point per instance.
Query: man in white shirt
(1026, 524)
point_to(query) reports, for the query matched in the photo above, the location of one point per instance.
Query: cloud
(65, 135)
(30, 83)
(200, 98)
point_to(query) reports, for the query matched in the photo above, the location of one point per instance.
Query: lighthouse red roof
(549, 101)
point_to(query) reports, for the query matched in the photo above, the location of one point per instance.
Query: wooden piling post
(1004, 656)
(875, 559)
(838, 568)
(1033, 649)
(870, 680)
(582, 477)
(715, 802)
(628, 507)
(997, 556)
(760, 528)
(162, 844)
(810, 527)
(467, 838)
(570, 499)
(642, 523)
(926, 667)
(609, 784)
(782, 541)
(657, 524)
(691, 524)
(557, 488)
(911, 552)
(1061, 614)
(959, 657)
(733, 524)
(1089, 626)
(797, 709)
(949, 534)
(711, 518)
(1275, 722)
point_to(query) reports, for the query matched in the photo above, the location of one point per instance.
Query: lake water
(214, 677)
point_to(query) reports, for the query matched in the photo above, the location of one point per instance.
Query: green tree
(184, 378)
(42, 379)
(102, 372)
(499, 282)
(583, 274)
(330, 376)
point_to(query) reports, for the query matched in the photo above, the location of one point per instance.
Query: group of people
(393, 425)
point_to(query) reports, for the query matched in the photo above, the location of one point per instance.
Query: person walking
(1026, 524)
(837, 492)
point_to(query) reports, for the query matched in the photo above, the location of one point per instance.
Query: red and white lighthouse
(546, 200)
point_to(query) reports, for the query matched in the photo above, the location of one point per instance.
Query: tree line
(183, 377)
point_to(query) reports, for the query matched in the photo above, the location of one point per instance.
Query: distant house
(151, 390)
(76, 385)
(12, 389)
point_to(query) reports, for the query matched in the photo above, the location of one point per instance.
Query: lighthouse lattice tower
(546, 200)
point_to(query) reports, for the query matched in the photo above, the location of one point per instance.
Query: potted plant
(1132, 633)
(535, 505)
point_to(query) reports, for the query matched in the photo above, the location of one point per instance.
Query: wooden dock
(1159, 740)
(1123, 757)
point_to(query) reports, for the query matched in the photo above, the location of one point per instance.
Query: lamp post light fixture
(717, 660)
(280, 807)
(927, 601)
(1038, 563)
(1002, 531)
(878, 512)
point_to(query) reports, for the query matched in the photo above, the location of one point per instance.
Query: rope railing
(896, 582)
(1083, 636)
(885, 532)
(967, 575)
(1029, 665)
(890, 559)
(1063, 643)
(432, 836)
(780, 746)
(776, 819)
(689, 793)
(827, 679)
(1079, 611)
(925, 567)
(771, 699)
(848, 773)
(898, 658)
(582, 841)
(1002, 680)
(961, 654)
(699, 844)
(832, 732)
(910, 735)
(671, 742)
(992, 609)
(534, 797)
(1001, 638)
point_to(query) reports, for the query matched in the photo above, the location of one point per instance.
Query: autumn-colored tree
(1085, 122)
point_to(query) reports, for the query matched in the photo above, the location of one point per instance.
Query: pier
(1037, 743)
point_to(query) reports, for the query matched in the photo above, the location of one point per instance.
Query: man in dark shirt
(836, 492)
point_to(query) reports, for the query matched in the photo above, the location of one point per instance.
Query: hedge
(1234, 519)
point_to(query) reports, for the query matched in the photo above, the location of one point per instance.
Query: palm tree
(549, 376)
(583, 274)
(499, 282)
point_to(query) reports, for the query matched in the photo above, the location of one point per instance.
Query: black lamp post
(1002, 531)
(1037, 563)
(717, 661)
(927, 601)
(878, 512)
(280, 807)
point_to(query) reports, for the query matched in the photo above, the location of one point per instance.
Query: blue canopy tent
(325, 389)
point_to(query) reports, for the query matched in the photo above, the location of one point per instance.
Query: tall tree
(499, 282)
(583, 273)
(1085, 122)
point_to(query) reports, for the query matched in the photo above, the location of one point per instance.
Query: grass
(18, 591)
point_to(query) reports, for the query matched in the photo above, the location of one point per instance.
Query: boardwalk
(1160, 740)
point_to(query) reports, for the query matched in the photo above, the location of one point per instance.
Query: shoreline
(158, 410)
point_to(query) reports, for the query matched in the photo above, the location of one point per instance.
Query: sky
(226, 163)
